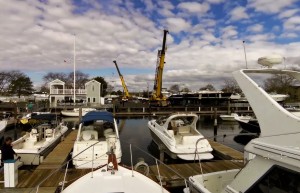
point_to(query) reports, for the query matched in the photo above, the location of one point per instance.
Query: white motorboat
(273, 159)
(98, 128)
(37, 144)
(75, 112)
(279, 97)
(179, 134)
(234, 116)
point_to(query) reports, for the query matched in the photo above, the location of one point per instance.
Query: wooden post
(80, 114)
(15, 121)
(215, 124)
(228, 107)
(161, 153)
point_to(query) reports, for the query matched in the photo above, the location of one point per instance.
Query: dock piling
(215, 124)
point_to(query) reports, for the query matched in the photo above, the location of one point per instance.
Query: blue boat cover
(98, 115)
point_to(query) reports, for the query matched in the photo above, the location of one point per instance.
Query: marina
(119, 96)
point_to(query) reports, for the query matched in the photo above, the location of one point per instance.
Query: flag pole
(74, 81)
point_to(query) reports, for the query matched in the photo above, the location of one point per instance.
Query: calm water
(136, 132)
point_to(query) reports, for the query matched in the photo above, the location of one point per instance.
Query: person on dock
(7, 150)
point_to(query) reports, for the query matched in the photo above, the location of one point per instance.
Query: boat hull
(189, 155)
(36, 156)
(250, 126)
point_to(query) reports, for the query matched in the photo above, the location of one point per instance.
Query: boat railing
(156, 170)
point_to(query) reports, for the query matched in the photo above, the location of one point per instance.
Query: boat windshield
(179, 121)
(96, 130)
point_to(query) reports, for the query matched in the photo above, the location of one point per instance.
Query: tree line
(17, 83)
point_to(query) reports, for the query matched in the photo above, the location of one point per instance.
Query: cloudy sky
(204, 44)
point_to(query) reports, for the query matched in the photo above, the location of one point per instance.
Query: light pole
(245, 54)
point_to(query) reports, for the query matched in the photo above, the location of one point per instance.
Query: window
(94, 100)
(89, 100)
(93, 88)
(277, 180)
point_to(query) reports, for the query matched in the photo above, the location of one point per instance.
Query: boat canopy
(98, 115)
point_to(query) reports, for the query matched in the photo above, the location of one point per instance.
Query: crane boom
(157, 89)
(127, 95)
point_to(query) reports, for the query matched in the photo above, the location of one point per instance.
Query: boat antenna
(74, 66)
(245, 54)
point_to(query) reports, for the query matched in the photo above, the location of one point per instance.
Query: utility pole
(245, 54)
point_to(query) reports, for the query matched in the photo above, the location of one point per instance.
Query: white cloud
(40, 39)
(256, 28)
(289, 35)
(214, 1)
(229, 32)
(194, 7)
(270, 6)
(288, 13)
(292, 23)
(177, 24)
(238, 13)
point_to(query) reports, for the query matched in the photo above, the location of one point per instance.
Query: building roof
(93, 80)
(57, 81)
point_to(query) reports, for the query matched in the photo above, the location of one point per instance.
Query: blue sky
(204, 44)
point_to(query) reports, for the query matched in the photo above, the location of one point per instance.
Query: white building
(90, 95)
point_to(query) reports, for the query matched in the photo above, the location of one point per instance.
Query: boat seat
(184, 129)
(107, 132)
(89, 135)
(48, 132)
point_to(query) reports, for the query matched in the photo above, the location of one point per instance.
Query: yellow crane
(157, 97)
(126, 93)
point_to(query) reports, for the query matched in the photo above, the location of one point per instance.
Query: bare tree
(185, 89)
(208, 87)
(81, 78)
(230, 85)
(174, 88)
(6, 78)
(279, 83)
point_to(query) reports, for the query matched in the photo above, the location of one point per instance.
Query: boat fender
(142, 167)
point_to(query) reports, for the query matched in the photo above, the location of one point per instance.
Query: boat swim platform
(170, 179)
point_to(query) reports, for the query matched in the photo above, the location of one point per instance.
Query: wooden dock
(225, 152)
(171, 179)
(30, 179)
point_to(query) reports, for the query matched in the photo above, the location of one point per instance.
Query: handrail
(54, 171)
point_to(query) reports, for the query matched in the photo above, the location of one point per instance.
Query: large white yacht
(273, 159)
(97, 128)
(179, 134)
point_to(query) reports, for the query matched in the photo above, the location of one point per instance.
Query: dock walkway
(171, 179)
(225, 152)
